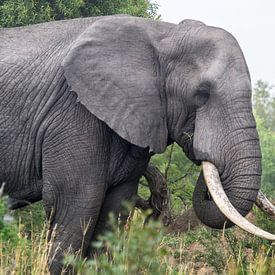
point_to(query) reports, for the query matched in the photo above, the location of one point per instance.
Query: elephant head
(154, 82)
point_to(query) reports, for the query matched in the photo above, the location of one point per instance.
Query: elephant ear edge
(112, 69)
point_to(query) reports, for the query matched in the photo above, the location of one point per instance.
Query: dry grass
(139, 250)
(29, 256)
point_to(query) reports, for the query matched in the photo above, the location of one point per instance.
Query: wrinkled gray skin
(85, 101)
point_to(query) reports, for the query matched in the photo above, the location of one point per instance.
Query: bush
(23, 12)
(8, 230)
(136, 249)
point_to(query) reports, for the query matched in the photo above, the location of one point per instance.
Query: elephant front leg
(75, 171)
(72, 216)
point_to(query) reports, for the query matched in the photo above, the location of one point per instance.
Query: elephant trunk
(240, 182)
(215, 188)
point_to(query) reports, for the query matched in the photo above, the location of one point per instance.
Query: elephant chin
(214, 208)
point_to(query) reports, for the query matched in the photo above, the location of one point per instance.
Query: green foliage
(136, 250)
(23, 12)
(264, 110)
(267, 140)
(140, 8)
(26, 222)
(32, 218)
(181, 175)
(8, 231)
(264, 105)
(19, 13)
(265, 222)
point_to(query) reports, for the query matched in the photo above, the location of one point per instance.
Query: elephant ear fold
(112, 69)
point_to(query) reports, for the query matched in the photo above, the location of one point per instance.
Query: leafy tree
(264, 110)
(267, 140)
(264, 104)
(23, 12)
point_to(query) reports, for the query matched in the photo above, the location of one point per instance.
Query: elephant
(86, 102)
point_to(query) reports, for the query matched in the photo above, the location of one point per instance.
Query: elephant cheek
(205, 139)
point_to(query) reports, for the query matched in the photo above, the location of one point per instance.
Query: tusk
(265, 205)
(2, 189)
(215, 188)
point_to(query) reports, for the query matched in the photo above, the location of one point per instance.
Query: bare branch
(159, 200)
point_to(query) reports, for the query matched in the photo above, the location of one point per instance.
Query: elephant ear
(112, 67)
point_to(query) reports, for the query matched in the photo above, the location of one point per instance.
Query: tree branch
(169, 161)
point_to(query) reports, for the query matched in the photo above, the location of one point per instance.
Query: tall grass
(147, 249)
(27, 256)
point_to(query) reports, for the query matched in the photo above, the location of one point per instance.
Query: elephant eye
(202, 93)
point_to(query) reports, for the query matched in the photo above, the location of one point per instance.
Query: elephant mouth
(215, 188)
